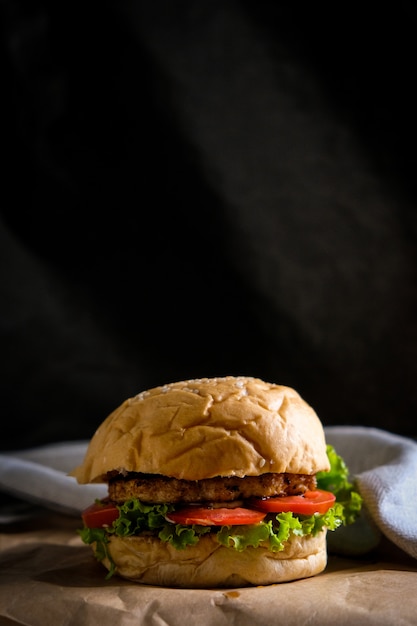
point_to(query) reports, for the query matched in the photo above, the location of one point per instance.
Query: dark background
(206, 188)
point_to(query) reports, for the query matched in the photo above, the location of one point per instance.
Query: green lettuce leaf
(100, 537)
(348, 500)
(136, 517)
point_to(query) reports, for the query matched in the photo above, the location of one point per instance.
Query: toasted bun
(149, 561)
(196, 429)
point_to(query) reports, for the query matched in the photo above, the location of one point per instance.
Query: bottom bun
(150, 561)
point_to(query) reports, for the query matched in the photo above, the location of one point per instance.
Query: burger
(214, 482)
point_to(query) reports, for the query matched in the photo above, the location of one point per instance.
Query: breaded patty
(156, 488)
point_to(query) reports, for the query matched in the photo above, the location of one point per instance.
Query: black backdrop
(206, 188)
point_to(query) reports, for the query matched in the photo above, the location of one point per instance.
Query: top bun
(196, 429)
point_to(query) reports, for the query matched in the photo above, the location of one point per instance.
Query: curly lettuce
(336, 480)
(136, 517)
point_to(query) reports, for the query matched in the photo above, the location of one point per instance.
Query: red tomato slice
(215, 517)
(100, 514)
(317, 501)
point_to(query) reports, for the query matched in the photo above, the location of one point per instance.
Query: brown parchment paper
(48, 576)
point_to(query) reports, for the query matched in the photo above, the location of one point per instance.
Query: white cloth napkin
(39, 476)
(384, 466)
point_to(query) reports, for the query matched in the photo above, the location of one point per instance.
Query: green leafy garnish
(337, 481)
(136, 517)
(100, 537)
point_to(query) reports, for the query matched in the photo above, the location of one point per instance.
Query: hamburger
(214, 482)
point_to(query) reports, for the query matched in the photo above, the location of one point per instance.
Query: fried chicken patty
(157, 489)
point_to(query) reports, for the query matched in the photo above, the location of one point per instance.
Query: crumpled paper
(47, 575)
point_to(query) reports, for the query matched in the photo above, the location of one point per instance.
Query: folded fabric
(39, 476)
(384, 466)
